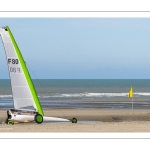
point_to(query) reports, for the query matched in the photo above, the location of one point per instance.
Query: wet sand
(89, 120)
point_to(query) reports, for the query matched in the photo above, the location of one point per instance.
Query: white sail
(21, 91)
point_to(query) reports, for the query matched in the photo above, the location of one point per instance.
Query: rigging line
(44, 87)
(39, 80)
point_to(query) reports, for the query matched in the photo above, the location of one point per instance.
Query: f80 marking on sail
(13, 61)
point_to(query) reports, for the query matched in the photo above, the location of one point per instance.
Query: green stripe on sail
(27, 75)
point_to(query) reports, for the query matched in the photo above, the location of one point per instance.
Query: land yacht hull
(28, 118)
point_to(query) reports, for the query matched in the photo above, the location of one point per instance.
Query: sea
(84, 93)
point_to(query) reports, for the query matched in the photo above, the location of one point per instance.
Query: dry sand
(89, 120)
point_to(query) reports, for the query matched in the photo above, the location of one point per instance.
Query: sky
(81, 48)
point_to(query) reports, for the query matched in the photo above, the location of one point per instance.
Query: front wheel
(74, 120)
(38, 118)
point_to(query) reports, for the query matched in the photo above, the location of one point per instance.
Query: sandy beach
(89, 120)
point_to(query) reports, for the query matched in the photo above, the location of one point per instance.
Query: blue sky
(82, 48)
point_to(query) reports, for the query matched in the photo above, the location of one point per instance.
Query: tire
(8, 121)
(74, 120)
(38, 118)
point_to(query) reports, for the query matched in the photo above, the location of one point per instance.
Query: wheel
(74, 120)
(38, 118)
(8, 121)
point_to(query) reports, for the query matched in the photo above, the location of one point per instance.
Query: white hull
(29, 118)
(54, 119)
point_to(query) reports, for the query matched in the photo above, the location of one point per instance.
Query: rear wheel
(74, 120)
(38, 118)
(9, 122)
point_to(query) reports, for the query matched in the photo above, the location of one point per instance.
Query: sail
(23, 91)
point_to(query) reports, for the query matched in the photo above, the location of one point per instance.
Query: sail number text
(14, 70)
(13, 61)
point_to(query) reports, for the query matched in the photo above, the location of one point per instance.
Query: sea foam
(140, 94)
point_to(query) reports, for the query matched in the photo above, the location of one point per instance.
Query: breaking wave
(94, 95)
(5, 96)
